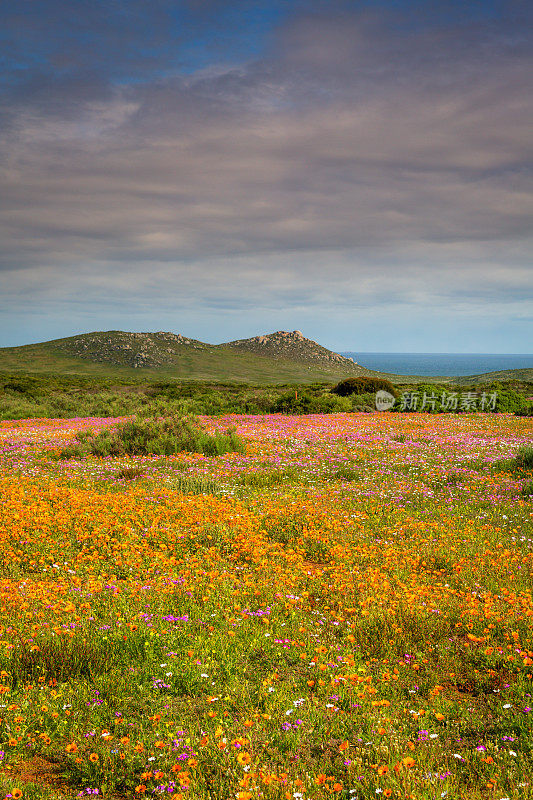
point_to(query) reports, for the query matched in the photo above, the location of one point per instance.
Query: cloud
(351, 162)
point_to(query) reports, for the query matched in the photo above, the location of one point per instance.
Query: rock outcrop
(138, 350)
(161, 349)
(292, 345)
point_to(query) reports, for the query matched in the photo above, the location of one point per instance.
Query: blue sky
(358, 171)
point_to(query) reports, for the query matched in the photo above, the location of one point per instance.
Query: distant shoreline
(440, 364)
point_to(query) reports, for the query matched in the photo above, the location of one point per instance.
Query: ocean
(441, 363)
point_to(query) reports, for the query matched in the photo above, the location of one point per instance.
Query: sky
(359, 171)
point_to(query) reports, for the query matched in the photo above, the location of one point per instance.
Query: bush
(521, 463)
(363, 402)
(363, 385)
(307, 403)
(524, 459)
(527, 490)
(162, 436)
(507, 399)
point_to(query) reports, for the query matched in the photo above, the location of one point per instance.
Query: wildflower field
(344, 610)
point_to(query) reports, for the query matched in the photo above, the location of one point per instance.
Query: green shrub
(297, 402)
(524, 458)
(162, 436)
(363, 402)
(435, 398)
(508, 400)
(363, 385)
(522, 462)
(527, 490)
(25, 385)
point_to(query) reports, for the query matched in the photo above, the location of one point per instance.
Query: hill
(174, 356)
(294, 346)
(276, 358)
(524, 375)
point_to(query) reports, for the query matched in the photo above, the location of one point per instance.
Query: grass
(201, 362)
(342, 610)
(162, 436)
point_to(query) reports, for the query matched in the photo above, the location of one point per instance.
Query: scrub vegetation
(52, 396)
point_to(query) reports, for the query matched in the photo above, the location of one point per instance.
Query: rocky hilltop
(138, 350)
(159, 350)
(280, 357)
(292, 345)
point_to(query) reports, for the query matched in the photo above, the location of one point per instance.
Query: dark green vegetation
(162, 436)
(523, 462)
(363, 385)
(310, 402)
(509, 398)
(521, 466)
(68, 396)
(28, 396)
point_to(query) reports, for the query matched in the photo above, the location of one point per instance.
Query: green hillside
(154, 356)
(279, 358)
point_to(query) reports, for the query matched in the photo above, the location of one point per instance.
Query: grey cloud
(311, 167)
